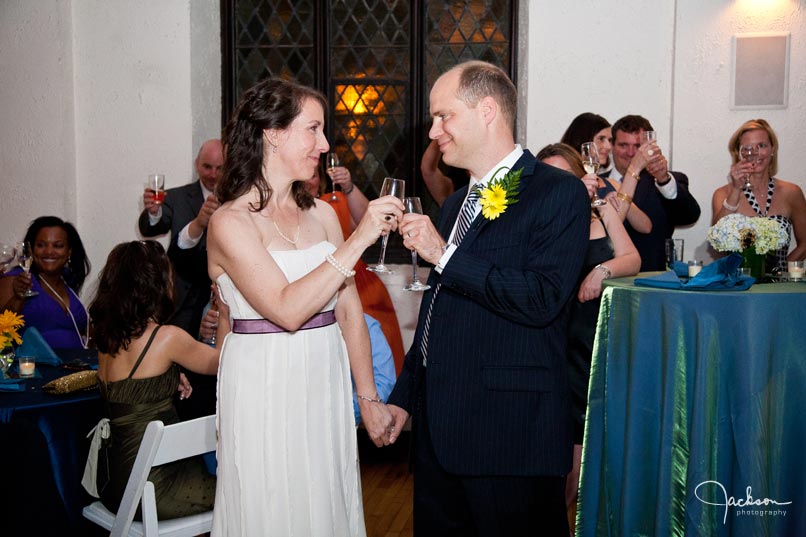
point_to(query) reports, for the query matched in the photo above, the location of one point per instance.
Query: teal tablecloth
(692, 393)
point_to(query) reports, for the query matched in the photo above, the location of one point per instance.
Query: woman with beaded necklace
(58, 271)
(767, 196)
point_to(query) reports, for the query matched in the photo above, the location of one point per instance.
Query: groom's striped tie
(463, 224)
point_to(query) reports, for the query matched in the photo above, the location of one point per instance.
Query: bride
(287, 455)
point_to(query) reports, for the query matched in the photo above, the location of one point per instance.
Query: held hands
(399, 416)
(378, 421)
(420, 235)
(381, 218)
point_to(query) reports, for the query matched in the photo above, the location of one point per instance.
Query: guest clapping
(57, 273)
(752, 189)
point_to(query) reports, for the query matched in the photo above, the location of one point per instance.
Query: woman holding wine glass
(58, 268)
(753, 189)
(286, 433)
(611, 254)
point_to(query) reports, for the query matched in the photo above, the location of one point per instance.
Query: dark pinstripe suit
(497, 392)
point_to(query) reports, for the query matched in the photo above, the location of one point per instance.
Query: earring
(273, 148)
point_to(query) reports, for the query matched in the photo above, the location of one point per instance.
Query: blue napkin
(680, 268)
(33, 344)
(11, 385)
(721, 275)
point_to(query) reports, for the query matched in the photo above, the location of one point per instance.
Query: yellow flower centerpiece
(10, 324)
(499, 194)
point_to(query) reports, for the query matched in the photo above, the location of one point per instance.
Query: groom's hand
(399, 417)
(419, 234)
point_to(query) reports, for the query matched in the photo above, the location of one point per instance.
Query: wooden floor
(387, 486)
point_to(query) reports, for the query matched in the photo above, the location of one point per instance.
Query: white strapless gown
(287, 454)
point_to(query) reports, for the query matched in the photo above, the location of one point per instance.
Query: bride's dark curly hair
(134, 288)
(270, 104)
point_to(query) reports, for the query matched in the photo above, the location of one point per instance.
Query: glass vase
(755, 262)
(6, 360)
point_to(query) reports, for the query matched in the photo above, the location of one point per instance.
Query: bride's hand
(381, 218)
(377, 421)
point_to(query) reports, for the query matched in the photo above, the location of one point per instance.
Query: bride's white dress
(287, 454)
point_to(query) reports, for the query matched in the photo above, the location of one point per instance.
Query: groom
(485, 378)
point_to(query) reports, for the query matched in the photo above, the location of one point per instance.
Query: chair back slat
(186, 439)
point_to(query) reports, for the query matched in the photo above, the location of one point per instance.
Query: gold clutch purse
(82, 380)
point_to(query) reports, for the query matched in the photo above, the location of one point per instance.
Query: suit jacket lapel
(527, 162)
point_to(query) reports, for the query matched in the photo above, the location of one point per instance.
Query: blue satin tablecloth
(696, 408)
(43, 438)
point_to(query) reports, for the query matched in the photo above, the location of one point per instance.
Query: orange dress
(375, 298)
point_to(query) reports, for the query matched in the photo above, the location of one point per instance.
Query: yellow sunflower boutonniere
(499, 194)
(10, 323)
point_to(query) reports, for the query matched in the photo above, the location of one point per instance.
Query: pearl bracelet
(728, 206)
(344, 271)
(370, 399)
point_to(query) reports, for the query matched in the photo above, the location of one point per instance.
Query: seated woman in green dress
(138, 375)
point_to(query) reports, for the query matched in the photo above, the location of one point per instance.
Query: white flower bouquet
(737, 232)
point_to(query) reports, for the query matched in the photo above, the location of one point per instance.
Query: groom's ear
(489, 109)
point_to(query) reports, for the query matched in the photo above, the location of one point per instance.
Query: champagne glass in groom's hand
(391, 187)
(414, 206)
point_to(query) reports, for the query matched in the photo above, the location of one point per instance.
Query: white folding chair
(161, 444)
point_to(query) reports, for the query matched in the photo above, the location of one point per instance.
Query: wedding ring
(650, 152)
(408, 234)
(392, 429)
(388, 217)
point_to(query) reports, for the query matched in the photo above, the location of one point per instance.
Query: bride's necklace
(282, 235)
(84, 339)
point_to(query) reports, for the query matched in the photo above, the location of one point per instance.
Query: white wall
(95, 95)
(670, 62)
(37, 149)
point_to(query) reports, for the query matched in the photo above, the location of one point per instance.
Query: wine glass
(590, 161)
(332, 162)
(391, 187)
(749, 153)
(7, 255)
(25, 257)
(413, 205)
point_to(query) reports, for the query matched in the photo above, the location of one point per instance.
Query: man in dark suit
(661, 194)
(184, 214)
(485, 378)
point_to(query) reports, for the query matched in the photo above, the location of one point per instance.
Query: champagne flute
(391, 187)
(332, 162)
(590, 161)
(156, 183)
(414, 206)
(749, 153)
(25, 258)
